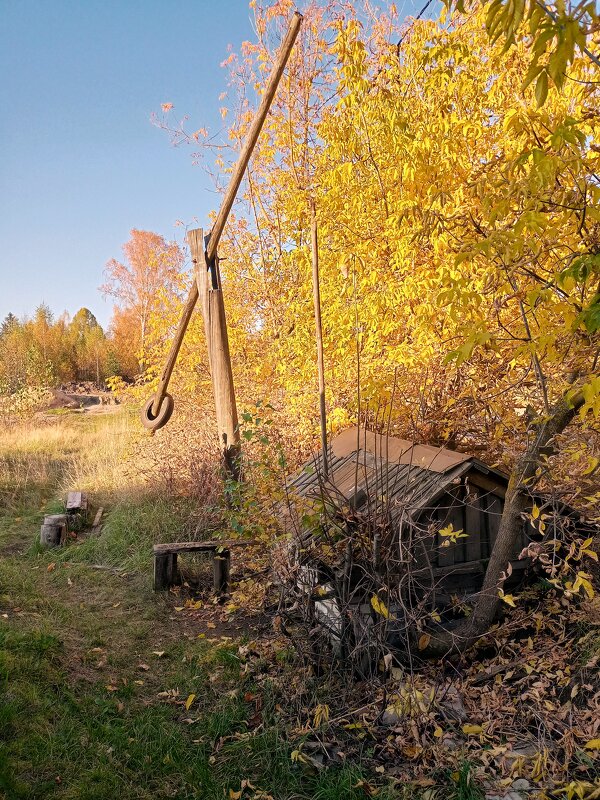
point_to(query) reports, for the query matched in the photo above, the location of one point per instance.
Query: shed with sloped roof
(425, 496)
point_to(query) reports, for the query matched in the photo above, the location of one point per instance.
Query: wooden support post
(221, 566)
(165, 570)
(217, 342)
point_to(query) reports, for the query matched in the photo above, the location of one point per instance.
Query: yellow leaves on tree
(458, 227)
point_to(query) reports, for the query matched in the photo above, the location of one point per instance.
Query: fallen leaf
(158, 653)
(472, 730)
(51, 566)
(593, 744)
(189, 701)
(143, 667)
(508, 599)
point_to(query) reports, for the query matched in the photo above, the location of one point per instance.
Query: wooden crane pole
(159, 407)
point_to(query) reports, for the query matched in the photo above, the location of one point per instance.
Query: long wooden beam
(221, 220)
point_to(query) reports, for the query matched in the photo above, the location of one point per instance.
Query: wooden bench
(165, 561)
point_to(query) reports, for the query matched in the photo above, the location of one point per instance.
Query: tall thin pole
(319, 332)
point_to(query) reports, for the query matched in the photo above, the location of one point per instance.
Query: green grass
(79, 718)
(465, 787)
(65, 737)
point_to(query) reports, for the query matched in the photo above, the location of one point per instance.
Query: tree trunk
(522, 480)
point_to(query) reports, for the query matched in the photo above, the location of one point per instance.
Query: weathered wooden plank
(199, 547)
(217, 341)
(474, 526)
(76, 501)
(165, 570)
(486, 483)
(468, 568)
(494, 512)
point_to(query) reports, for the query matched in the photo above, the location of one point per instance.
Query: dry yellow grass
(50, 456)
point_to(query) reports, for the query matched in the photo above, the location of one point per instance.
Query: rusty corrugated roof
(382, 470)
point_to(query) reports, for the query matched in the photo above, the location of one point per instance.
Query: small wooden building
(419, 491)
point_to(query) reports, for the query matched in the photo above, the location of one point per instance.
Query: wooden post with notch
(210, 293)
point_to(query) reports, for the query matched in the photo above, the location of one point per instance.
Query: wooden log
(165, 375)
(252, 136)
(53, 532)
(319, 334)
(50, 535)
(221, 569)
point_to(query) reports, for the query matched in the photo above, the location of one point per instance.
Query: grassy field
(97, 672)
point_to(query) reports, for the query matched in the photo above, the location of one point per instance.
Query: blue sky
(80, 162)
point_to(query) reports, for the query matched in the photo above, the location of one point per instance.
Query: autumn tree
(555, 35)
(151, 267)
(89, 346)
(124, 343)
(24, 360)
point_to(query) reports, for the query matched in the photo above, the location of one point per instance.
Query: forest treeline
(45, 351)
